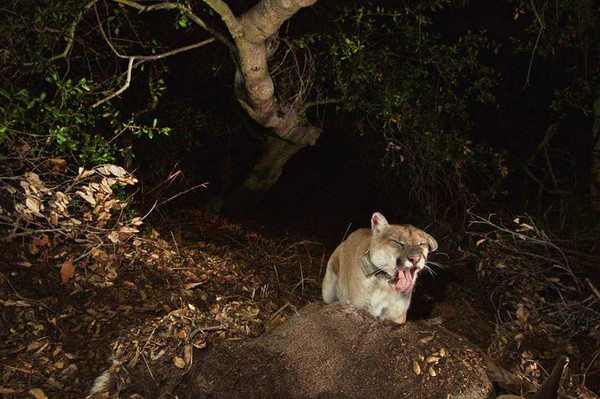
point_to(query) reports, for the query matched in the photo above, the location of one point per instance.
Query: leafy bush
(413, 90)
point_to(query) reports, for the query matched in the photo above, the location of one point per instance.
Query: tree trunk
(255, 34)
(265, 173)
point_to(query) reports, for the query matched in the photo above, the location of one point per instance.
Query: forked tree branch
(232, 23)
(142, 58)
(70, 36)
(166, 5)
(254, 84)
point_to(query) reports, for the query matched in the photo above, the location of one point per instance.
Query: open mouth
(405, 280)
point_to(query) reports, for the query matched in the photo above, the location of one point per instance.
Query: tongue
(405, 281)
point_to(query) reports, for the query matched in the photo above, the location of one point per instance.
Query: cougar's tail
(330, 281)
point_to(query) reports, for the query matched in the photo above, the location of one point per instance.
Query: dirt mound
(333, 352)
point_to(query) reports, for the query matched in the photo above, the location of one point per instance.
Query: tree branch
(307, 105)
(259, 24)
(264, 19)
(183, 9)
(71, 32)
(141, 58)
(122, 89)
(232, 23)
(537, 41)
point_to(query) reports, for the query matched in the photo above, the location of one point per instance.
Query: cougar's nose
(414, 259)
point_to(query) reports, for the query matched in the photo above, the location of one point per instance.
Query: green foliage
(68, 122)
(563, 36)
(59, 110)
(414, 91)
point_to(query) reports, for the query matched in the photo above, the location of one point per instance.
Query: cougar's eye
(423, 244)
(398, 243)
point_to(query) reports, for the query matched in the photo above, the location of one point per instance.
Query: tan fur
(390, 247)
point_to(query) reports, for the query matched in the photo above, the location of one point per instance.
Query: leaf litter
(146, 300)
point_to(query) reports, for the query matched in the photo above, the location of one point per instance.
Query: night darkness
(159, 204)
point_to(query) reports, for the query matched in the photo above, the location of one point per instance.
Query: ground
(200, 280)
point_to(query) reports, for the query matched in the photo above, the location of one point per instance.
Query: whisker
(429, 270)
(435, 264)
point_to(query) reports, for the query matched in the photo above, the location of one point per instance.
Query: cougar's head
(400, 251)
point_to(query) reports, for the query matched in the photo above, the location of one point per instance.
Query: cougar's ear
(433, 245)
(378, 222)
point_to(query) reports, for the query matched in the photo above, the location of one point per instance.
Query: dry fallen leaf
(114, 237)
(525, 227)
(58, 165)
(128, 230)
(34, 205)
(424, 340)
(67, 270)
(416, 368)
(137, 221)
(88, 196)
(35, 181)
(117, 170)
(190, 286)
(37, 393)
(521, 315)
(84, 173)
(181, 334)
(178, 362)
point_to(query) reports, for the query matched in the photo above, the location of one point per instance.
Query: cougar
(376, 270)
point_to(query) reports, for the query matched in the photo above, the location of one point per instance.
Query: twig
(147, 366)
(593, 288)
(550, 387)
(309, 104)
(122, 89)
(150, 211)
(142, 58)
(590, 365)
(346, 232)
(183, 9)
(205, 329)
(175, 242)
(281, 309)
(184, 192)
(542, 28)
(70, 36)
(169, 179)
(506, 230)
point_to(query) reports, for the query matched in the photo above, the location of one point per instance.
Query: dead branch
(537, 40)
(526, 265)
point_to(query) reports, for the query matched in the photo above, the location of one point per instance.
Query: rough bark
(253, 33)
